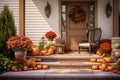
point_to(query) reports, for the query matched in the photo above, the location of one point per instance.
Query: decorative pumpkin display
(98, 52)
(14, 68)
(117, 54)
(95, 67)
(35, 68)
(50, 51)
(99, 67)
(25, 68)
(110, 68)
(31, 63)
(47, 46)
(45, 66)
(44, 51)
(35, 50)
(117, 45)
(108, 59)
(93, 59)
(33, 59)
(38, 59)
(39, 66)
(103, 67)
(100, 60)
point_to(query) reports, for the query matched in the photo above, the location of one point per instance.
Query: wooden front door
(76, 31)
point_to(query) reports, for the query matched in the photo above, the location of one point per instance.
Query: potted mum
(19, 44)
(50, 35)
(105, 48)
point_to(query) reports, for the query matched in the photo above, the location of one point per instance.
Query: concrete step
(87, 71)
(68, 62)
(72, 65)
(57, 58)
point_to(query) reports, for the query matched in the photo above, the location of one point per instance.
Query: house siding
(14, 7)
(36, 23)
(105, 23)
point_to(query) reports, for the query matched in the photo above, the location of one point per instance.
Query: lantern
(108, 9)
(59, 48)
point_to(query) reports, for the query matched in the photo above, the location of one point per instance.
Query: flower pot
(20, 53)
(51, 42)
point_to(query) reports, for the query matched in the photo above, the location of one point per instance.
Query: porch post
(115, 18)
(21, 17)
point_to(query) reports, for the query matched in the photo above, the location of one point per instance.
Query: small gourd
(95, 67)
(108, 59)
(93, 59)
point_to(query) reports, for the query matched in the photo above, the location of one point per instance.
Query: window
(63, 21)
(92, 14)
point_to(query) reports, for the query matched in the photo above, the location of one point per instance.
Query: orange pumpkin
(103, 55)
(110, 68)
(98, 52)
(35, 50)
(35, 68)
(100, 67)
(50, 51)
(108, 59)
(93, 59)
(44, 51)
(100, 60)
(95, 67)
(33, 64)
(33, 59)
(47, 46)
(39, 66)
(25, 68)
(38, 59)
(13, 68)
(103, 67)
(45, 66)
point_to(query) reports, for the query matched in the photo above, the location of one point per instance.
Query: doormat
(79, 71)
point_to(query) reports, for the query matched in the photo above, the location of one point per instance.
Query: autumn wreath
(77, 15)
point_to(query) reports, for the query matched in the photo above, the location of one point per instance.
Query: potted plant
(19, 44)
(50, 35)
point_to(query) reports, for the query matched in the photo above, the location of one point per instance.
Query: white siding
(14, 7)
(36, 23)
(105, 23)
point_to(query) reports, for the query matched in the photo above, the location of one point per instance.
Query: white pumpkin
(117, 45)
(117, 54)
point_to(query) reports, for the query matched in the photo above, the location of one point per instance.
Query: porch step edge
(72, 64)
(64, 57)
